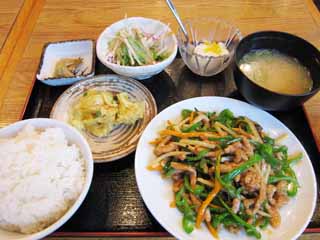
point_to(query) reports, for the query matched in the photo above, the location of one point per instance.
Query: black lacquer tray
(113, 206)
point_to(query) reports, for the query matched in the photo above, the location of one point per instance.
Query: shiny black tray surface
(113, 203)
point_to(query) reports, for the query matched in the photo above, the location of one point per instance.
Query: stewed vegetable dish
(98, 112)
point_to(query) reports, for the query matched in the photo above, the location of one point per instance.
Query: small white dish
(55, 51)
(147, 25)
(73, 136)
(157, 192)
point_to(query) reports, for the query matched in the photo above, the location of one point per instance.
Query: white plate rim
(139, 177)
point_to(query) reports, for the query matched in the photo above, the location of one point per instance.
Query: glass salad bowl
(208, 32)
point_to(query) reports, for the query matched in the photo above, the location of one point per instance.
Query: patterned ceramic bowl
(122, 140)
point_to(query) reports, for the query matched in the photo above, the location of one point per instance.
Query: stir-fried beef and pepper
(225, 172)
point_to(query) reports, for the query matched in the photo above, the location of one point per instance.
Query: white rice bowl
(45, 174)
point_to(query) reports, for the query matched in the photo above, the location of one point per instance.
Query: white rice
(41, 176)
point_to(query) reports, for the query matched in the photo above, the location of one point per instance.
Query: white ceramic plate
(157, 192)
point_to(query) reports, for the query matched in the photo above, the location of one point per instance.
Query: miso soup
(276, 71)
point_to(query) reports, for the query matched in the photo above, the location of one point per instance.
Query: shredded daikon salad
(133, 47)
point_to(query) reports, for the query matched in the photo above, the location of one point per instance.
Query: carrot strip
(173, 204)
(156, 141)
(154, 168)
(205, 203)
(212, 230)
(210, 197)
(242, 132)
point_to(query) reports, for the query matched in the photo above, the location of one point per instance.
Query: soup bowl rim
(284, 34)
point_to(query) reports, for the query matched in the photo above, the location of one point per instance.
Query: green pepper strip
(268, 140)
(294, 185)
(168, 170)
(192, 128)
(265, 223)
(222, 139)
(266, 151)
(282, 149)
(227, 185)
(210, 114)
(200, 155)
(185, 113)
(187, 224)
(188, 219)
(187, 183)
(226, 180)
(198, 189)
(248, 227)
(254, 142)
(179, 197)
(217, 219)
(229, 220)
(243, 167)
(225, 141)
(234, 140)
(278, 178)
(217, 210)
(238, 191)
(182, 203)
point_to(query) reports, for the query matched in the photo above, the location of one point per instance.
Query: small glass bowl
(207, 29)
